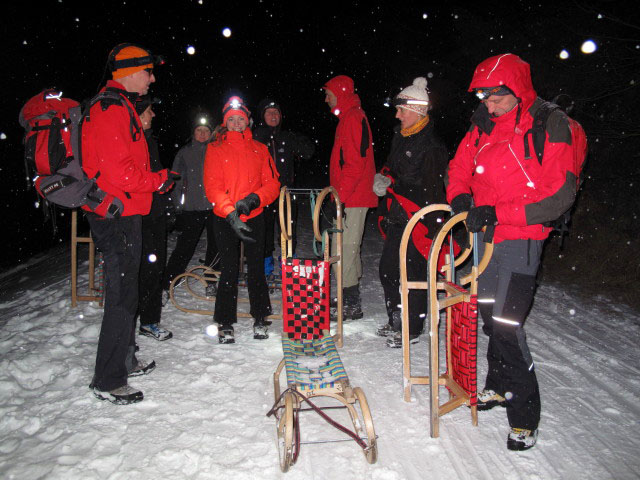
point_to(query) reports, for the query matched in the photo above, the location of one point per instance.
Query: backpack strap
(538, 130)
(114, 96)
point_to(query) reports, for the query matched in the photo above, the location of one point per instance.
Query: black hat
(145, 101)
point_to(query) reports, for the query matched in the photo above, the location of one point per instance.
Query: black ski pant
(272, 226)
(505, 294)
(229, 246)
(152, 264)
(211, 258)
(120, 241)
(190, 225)
(389, 270)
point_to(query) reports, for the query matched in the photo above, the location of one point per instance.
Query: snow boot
(124, 395)
(226, 334)
(211, 290)
(155, 331)
(351, 305)
(521, 439)
(385, 331)
(396, 340)
(260, 328)
(142, 368)
(394, 325)
(487, 399)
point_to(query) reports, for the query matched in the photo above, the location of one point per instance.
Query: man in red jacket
(114, 151)
(351, 172)
(497, 177)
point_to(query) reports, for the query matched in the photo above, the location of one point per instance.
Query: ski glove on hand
(247, 204)
(380, 184)
(171, 178)
(239, 227)
(480, 216)
(461, 203)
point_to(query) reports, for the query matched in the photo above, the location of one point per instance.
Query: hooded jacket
(491, 164)
(284, 146)
(351, 167)
(235, 166)
(188, 193)
(118, 158)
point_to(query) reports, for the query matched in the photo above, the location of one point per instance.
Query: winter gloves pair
(380, 184)
(477, 217)
(243, 207)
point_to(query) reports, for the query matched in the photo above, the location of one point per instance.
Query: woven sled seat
(313, 364)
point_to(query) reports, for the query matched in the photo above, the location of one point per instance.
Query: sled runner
(197, 282)
(311, 360)
(460, 305)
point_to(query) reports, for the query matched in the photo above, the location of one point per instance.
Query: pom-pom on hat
(234, 106)
(415, 97)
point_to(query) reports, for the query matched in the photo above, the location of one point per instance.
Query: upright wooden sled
(460, 305)
(311, 360)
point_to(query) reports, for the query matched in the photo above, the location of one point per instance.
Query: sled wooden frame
(75, 240)
(204, 275)
(288, 403)
(457, 395)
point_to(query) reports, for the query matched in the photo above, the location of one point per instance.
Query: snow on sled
(460, 305)
(310, 356)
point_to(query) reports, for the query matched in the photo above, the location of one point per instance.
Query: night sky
(288, 50)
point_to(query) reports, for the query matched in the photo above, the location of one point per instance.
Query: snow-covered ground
(203, 415)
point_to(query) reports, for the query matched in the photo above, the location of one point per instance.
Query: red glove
(170, 179)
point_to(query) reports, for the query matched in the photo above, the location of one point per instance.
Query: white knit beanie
(417, 91)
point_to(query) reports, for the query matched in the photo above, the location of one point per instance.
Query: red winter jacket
(120, 161)
(235, 166)
(351, 168)
(490, 161)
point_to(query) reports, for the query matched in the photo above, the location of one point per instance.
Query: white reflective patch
(504, 320)
(486, 300)
(531, 367)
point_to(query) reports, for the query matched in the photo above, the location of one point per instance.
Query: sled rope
(319, 411)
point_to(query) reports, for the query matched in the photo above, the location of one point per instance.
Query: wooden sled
(196, 280)
(311, 359)
(460, 305)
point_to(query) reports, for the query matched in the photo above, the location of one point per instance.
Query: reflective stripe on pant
(505, 294)
(351, 241)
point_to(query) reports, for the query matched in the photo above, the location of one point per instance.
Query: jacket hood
(506, 69)
(342, 87)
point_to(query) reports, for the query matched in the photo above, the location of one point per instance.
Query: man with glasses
(115, 153)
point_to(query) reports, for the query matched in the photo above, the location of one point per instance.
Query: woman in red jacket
(240, 178)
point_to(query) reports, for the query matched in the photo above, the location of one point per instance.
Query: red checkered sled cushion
(305, 297)
(464, 334)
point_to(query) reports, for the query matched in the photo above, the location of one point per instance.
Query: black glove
(168, 183)
(247, 204)
(239, 227)
(461, 203)
(480, 216)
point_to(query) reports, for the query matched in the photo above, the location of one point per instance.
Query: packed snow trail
(204, 412)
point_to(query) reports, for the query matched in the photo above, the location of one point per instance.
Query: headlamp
(485, 92)
(409, 101)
